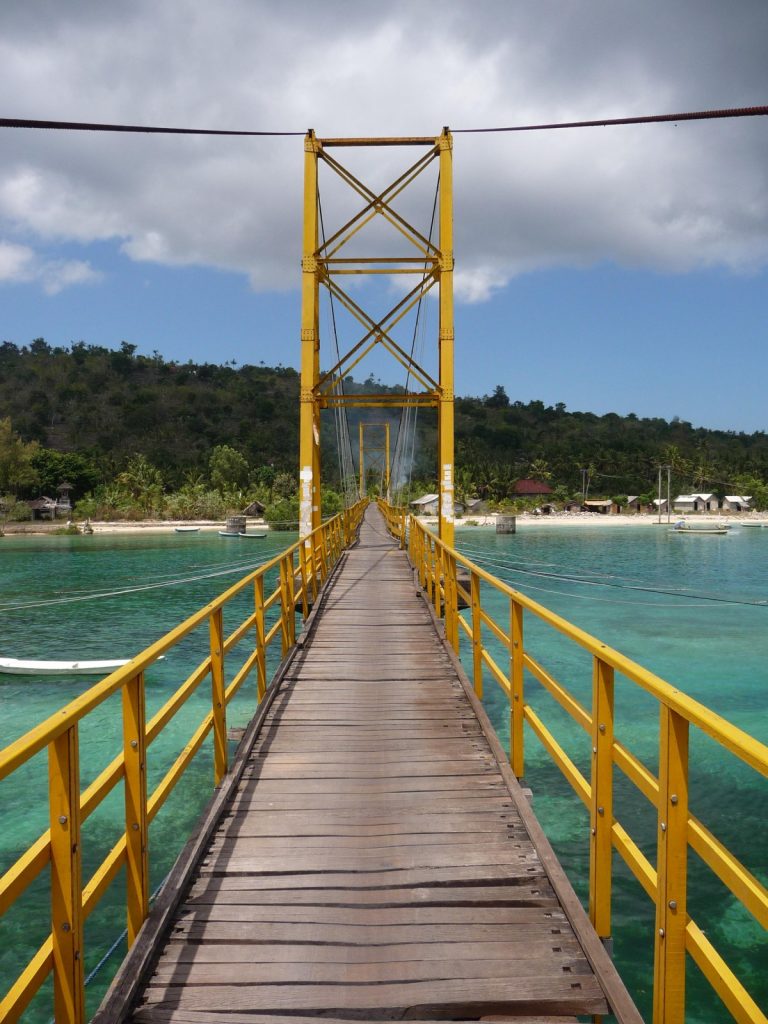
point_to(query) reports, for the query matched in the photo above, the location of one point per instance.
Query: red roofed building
(531, 489)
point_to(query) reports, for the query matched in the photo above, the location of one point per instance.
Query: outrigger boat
(23, 667)
(683, 527)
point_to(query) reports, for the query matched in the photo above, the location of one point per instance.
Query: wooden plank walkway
(375, 861)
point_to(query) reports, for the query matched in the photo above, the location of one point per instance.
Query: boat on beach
(186, 529)
(31, 667)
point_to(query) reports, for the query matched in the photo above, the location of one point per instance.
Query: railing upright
(672, 870)
(517, 694)
(261, 652)
(136, 823)
(601, 800)
(218, 704)
(477, 639)
(66, 878)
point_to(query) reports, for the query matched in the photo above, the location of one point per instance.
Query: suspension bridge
(369, 851)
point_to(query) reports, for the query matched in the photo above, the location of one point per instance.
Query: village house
(737, 503)
(602, 506)
(633, 503)
(696, 503)
(531, 489)
(660, 505)
(428, 505)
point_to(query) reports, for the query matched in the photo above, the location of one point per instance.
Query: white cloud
(20, 264)
(668, 198)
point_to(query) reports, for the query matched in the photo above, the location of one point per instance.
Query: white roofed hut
(737, 503)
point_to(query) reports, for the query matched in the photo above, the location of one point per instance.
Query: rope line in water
(106, 594)
(577, 581)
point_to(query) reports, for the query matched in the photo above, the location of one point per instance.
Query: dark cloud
(665, 197)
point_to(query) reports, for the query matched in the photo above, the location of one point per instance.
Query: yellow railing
(678, 830)
(301, 571)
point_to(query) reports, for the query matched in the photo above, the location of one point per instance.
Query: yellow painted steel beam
(425, 400)
(66, 878)
(601, 804)
(309, 418)
(446, 516)
(13, 1005)
(405, 140)
(136, 824)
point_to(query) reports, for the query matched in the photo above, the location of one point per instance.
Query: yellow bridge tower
(326, 262)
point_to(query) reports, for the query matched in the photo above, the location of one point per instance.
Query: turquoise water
(716, 650)
(55, 603)
(695, 611)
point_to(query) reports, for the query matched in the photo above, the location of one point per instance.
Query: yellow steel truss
(327, 264)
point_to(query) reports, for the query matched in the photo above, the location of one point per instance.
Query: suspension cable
(341, 415)
(406, 429)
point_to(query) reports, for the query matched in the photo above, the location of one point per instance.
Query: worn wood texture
(372, 863)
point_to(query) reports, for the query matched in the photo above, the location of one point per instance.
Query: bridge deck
(375, 861)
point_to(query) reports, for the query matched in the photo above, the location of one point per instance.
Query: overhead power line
(87, 126)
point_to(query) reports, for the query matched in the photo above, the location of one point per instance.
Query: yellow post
(285, 609)
(451, 601)
(477, 640)
(136, 826)
(261, 652)
(304, 580)
(362, 460)
(672, 869)
(220, 758)
(601, 809)
(445, 405)
(66, 878)
(309, 424)
(517, 708)
(386, 460)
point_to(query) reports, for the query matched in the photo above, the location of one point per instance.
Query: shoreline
(569, 520)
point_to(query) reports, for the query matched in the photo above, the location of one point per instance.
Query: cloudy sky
(613, 269)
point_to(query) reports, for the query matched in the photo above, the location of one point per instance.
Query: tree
(143, 482)
(17, 468)
(228, 468)
(539, 470)
(499, 399)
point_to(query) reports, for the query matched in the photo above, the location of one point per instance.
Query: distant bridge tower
(323, 263)
(379, 450)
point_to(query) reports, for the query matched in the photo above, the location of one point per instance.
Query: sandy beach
(568, 520)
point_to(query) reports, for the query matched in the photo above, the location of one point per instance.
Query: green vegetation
(139, 436)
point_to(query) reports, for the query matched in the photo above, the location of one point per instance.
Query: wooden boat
(684, 528)
(229, 533)
(186, 529)
(24, 667)
(755, 526)
(259, 536)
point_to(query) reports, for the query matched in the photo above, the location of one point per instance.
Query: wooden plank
(207, 891)
(159, 1013)
(303, 972)
(178, 951)
(471, 997)
(524, 867)
(362, 935)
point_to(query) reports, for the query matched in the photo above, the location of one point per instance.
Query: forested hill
(111, 404)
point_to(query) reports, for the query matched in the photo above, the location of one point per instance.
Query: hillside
(108, 405)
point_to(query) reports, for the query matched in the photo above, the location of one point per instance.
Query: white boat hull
(23, 667)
